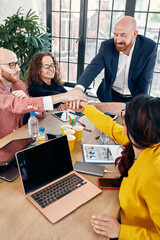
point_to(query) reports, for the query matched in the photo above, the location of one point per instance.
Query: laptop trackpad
(55, 212)
(64, 206)
(73, 200)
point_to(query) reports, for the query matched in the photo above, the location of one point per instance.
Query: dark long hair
(35, 65)
(142, 120)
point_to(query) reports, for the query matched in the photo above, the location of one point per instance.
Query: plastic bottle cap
(41, 129)
(32, 114)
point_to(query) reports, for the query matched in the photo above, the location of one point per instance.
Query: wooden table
(19, 219)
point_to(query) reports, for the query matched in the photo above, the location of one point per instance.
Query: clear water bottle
(104, 138)
(33, 126)
(42, 136)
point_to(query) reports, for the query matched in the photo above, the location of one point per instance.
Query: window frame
(130, 9)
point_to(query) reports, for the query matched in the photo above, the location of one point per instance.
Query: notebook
(49, 181)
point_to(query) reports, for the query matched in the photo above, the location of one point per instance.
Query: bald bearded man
(128, 61)
(14, 99)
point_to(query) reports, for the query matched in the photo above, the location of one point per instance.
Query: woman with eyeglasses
(139, 165)
(44, 78)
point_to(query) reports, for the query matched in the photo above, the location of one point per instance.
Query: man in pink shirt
(14, 99)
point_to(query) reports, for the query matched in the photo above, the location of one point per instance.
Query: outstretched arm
(114, 108)
(73, 95)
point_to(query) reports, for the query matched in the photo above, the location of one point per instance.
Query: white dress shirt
(121, 82)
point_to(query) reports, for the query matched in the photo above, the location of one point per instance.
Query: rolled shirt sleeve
(47, 102)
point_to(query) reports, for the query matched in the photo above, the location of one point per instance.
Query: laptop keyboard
(58, 190)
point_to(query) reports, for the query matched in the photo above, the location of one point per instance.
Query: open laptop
(49, 181)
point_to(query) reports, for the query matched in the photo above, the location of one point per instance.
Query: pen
(72, 122)
(81, 123)
(66, 115)
(56, 134)
(88, 130)
(75, 120)
(115, 117)
(107, 152)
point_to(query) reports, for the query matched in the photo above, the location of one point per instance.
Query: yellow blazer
(139, 193)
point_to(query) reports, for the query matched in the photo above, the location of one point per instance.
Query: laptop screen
(44, 163)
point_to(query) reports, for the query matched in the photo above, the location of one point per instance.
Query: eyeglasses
(47, 66)
(12, 65)
(123, 112)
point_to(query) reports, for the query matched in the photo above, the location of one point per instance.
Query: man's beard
(121, 47)
(10, 77)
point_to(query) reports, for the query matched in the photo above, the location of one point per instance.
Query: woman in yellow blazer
(139, 166)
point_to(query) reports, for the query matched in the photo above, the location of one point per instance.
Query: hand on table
(106, 225)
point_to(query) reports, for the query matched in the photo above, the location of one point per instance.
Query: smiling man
(125, 33)
(14, 99)
(128, 61)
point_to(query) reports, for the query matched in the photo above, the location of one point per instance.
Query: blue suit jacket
(140, 72)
